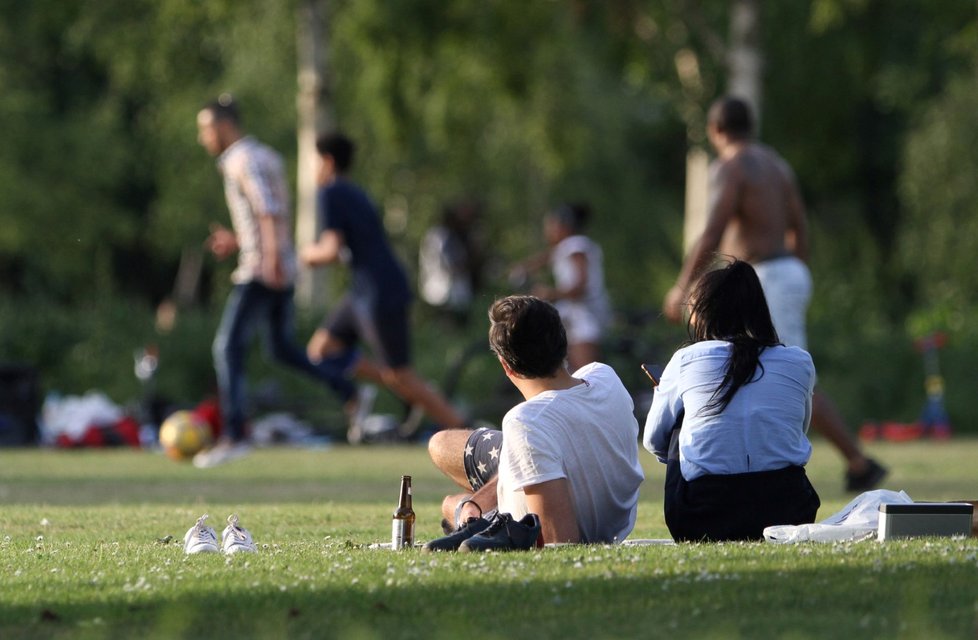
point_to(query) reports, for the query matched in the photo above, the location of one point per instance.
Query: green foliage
(517, 105)
(938, 242)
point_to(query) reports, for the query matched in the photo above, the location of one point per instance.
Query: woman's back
(761, 429)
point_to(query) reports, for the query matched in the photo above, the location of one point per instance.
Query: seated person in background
(744, 401)
(568, 454)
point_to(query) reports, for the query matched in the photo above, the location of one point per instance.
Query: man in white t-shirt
(568, 454)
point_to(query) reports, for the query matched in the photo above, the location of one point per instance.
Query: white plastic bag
(857, 520)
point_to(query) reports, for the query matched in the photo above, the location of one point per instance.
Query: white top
(255, 184)
(587, 434)
(762, 429)
(565, 273)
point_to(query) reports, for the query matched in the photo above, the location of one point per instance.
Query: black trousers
(736, 506)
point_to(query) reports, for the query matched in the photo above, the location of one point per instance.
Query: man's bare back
(755, 213)
(767, 212)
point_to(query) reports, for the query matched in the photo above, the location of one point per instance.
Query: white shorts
(787, 285)
(580, 323)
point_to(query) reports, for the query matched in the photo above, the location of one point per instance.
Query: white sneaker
(200, 538)
(236, 539)
(360, 407)
(221, 453)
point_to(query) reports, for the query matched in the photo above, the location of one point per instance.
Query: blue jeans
(254, 306)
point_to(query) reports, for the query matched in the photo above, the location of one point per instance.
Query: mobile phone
(654, 372)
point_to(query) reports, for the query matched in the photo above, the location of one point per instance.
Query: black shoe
(868, 479)
(506, 534)
(451, 542)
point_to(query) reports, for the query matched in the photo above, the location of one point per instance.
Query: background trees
(518, 105)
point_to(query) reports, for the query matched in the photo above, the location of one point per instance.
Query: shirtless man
(756, 214)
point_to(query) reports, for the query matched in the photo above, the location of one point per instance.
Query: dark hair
(339, 147)
(526, 332)
(729, 304)
(574, 216)
(225, 108)
(732, 116)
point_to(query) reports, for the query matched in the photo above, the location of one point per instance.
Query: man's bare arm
(272, 272)
(797, 239)
(325, 250)
(552, 501)
(724, 194)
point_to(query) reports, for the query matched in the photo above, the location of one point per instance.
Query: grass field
(81, 557)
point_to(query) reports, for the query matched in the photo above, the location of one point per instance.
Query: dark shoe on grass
(868, 479)
(506, 534)
(452, 541)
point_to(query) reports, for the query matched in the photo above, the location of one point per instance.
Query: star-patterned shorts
(482, 456)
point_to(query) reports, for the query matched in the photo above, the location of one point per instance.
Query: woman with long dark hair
(739, 403)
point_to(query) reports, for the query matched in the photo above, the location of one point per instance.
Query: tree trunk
(745, 60)
(745, 67)
(314, 115)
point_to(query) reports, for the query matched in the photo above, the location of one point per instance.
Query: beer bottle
(402, 530)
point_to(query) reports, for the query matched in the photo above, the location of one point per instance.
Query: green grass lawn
(80, 556)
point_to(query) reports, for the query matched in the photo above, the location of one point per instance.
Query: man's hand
(672, 304)
(221, 242)
(273, 275)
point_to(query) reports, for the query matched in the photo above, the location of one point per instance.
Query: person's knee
(437, 447)
(397, 377)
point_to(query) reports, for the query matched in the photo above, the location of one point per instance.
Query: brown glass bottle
(402, 529)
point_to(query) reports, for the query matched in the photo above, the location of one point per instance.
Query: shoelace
(199, 530)
(497, 523)
(235, 529)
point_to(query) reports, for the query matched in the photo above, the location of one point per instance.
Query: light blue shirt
(762, 429)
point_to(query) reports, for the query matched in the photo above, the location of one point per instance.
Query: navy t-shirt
(377, 275)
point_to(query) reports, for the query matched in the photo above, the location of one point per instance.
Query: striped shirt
(254, 185)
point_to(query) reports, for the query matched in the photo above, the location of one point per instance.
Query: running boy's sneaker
(357, 409)
(235, 538)
(200, 538)
(222, 452)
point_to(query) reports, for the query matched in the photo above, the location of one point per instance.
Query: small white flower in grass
(45, 522)
(355, 581)
(39, 538)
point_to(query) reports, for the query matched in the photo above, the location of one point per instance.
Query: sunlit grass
(82, 554)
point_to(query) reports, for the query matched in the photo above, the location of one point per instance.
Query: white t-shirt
(587, 434)
(586, 317)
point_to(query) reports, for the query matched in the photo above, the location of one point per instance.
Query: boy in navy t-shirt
(376, 307)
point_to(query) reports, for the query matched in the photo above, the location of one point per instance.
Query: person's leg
(787, 285)
(863, 473)
(280, 342)
(447, 452)
(230, 352)
(386, 332)
(827, 420)
(405, 383)
(471, 460)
